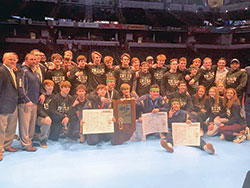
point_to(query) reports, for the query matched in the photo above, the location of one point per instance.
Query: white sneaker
(167, 146)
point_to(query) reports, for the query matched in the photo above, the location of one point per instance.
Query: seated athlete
(175, 115)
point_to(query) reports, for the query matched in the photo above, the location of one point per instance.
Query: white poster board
(186, 134)
(98, 121)
(151, 123)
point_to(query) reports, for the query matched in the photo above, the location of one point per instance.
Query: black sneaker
(43, 144)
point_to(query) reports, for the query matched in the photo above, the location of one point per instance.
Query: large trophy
(125, 115)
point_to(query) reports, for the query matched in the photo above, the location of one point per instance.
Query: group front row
(59, 116)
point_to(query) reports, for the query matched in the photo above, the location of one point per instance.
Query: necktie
(13, 77)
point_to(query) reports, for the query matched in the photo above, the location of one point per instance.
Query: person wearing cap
(151, 102)
(144, 80)
(150, 61)
(59, 111)
(125, 74)
(78, 74)
(175, 115)
(95, 71)
(236, 78)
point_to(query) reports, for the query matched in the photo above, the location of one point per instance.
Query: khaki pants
(27, 122)
(8, 123)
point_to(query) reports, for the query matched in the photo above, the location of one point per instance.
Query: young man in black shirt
(43, 119)
(59, 111)
(78, 74)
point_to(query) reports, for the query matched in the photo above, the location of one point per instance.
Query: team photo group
(45, 99)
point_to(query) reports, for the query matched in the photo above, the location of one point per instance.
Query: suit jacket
(8, 92)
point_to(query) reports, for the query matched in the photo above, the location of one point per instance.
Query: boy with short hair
(43, 119)
(59, 109)
(151, 102)
(144, 80)
(125, 92)
(57, 74)
(93, 139)
(78, 74)
(80, 103)
(175, 115)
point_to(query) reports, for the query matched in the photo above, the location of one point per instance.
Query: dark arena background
(190, 28)
(176, 28)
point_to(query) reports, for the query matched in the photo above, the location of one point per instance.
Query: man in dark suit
(8, 103)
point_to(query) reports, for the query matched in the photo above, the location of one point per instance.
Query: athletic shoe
(30, 149)
(167, 146)
(43, 144)
(239, 139)
(1, 157)
(11, 149)
(209, 149)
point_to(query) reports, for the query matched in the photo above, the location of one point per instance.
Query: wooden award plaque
(125, 115)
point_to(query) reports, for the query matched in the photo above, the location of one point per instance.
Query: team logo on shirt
(195, 85)
(215, 109)
(82, 79)
(110, 73)
(183, 102)
(98, 70)
(63, 108)
(58, 78)
(145, 81)
(231, 79)
(158, 75)
(173, 82)
(125, 76)
(209, 76)
(46, 104)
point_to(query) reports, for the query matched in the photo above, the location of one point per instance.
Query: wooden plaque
(125, 115)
